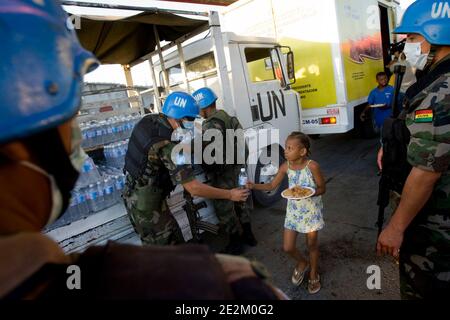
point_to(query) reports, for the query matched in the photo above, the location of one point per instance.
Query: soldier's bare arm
(416, 192)
(198, 189)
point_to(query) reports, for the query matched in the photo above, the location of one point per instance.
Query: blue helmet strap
(48, 149)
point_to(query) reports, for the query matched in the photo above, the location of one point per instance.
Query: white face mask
(57, 200)
(414, 55)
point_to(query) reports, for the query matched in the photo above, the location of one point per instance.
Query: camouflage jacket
(222, 121)
(429, 147)
(160, 155)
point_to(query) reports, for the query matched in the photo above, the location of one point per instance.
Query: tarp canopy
(126, 40)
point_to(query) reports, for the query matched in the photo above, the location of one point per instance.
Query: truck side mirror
(290, 65)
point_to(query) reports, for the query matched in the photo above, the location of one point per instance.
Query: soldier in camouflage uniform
(419, 230)
(152, 173)
(232, 216)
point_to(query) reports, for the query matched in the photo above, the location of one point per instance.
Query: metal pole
(129, 80)
(221, 63)
(183, 66)
(155, 85)
(133, 8)
(161, 59)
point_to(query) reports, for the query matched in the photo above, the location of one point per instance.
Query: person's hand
(235, 267)
(239, 195)
(390, 241)
(250, 185)
(380, 159)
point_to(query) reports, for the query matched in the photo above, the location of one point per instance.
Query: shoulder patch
(423, 116)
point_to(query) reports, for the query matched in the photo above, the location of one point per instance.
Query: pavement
(347, 242)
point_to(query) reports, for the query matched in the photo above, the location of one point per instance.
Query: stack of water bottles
(115, 154)
(96, 133)
(94, 191)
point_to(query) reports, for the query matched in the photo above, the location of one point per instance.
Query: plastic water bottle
(108, 188)
(119, 183)
(90, 134)
(101, 196)
(242, 182)
(93, 196)
(109, 131)
(83, 207)
(243, 179)
(73, 210)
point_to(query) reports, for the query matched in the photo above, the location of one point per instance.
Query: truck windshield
(196, 68)
(263, 64)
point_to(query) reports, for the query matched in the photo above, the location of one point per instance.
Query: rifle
(392, 150)
(195, 222)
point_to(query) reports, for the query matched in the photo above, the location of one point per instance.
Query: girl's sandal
(314, 285)
(298, 276)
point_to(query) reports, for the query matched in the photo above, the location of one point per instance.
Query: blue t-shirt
(383, 96)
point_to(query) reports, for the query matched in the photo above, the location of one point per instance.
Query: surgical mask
(57, 199)
(189, 125)
(182, 135)
(413, 52)
(77, 155)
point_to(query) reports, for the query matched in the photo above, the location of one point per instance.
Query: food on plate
(298, 192)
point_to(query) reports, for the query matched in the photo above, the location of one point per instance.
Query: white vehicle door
(273, 106)
(270, 102)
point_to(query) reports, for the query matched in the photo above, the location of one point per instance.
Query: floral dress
(304, 215)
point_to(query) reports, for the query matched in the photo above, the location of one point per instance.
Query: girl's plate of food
(298, 193)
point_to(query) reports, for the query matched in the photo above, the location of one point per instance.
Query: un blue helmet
(428, 18)
(204, 97)
(179, 105)
(42, 66)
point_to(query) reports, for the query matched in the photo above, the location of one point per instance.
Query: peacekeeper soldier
(151, 173)
(40, 157)
(232, 216)
(419, 230)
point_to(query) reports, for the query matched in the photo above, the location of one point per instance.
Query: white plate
(299, 198)
(377, 105)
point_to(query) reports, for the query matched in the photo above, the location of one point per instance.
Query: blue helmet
(429, 19)
(179, 105)
(205, 97)
(42, 67)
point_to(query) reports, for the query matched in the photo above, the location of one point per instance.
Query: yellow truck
(338, 45)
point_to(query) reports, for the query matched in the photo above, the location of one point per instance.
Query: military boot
(247, 236)
(235, 246)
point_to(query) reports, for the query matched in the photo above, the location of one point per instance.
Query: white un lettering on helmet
(198, 96)
(180, 102)
(440, 10)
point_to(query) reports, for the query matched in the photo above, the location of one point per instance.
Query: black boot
(247, 236)
(235, 246)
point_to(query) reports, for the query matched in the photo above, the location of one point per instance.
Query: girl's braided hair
(303, 139)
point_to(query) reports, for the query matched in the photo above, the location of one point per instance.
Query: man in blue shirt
(380, 100)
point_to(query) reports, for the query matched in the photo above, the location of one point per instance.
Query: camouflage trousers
(150, 216)
(425, 263)
(230, 214)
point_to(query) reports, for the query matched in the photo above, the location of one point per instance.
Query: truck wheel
(265, 174)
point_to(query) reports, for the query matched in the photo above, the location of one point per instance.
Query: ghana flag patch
(423, 116)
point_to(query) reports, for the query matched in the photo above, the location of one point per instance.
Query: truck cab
(259, 94)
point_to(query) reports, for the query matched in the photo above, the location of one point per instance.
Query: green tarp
(125, 41)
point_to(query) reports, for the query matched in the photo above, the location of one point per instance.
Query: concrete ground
(347, 242)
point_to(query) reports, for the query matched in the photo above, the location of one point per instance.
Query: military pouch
(149, 198)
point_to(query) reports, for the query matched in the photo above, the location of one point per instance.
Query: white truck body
(339, 46)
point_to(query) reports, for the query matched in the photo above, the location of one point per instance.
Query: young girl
(302, 216)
